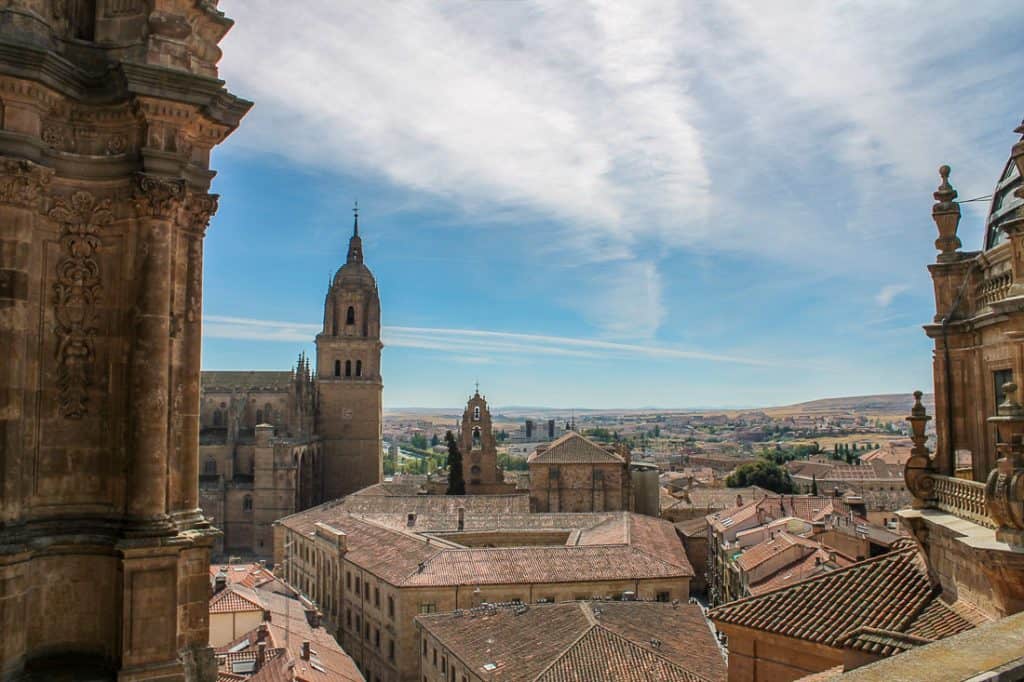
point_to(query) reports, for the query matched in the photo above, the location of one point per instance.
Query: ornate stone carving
(157, 197)
(116, 144)
(1004, 490)
(22, 182)
(919, 467)
(946, 214)
(77, 293)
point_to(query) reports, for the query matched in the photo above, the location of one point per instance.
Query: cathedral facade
(275, 443)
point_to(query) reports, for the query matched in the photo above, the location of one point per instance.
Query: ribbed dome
(354, 275)
(1006, 206)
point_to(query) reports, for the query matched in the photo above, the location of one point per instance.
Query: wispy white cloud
(470, 343)
(886, 294)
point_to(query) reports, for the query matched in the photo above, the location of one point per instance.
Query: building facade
(109, 110)
(575, 474)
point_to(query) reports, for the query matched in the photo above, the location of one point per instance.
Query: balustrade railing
(965, 499)
(994, 288)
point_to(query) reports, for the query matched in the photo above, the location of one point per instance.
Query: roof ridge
(830, 574)
(566, 650)
(608, 631)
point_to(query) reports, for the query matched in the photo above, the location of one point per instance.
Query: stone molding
(23, 183)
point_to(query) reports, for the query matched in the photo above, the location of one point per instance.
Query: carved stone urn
(1004, 490)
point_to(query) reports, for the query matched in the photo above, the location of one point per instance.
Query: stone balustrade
(961, 498)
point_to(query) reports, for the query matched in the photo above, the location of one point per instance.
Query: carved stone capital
(157, 197)
(22, 183)
(199, 208)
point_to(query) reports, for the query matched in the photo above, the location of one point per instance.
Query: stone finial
(1010, 407)
(946, 214)
(918, 469)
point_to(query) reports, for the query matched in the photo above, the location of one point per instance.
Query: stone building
(374, 561)
(109, 110)
(575, 474)
(274, 443)
(623, 641)
(348, 379)
(479, 451)
(259, 460)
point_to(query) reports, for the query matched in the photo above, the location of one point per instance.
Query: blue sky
(607, 204)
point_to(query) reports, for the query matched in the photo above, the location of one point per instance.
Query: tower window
(348, 368)
(350, 316)
(259, 416)
(476, 413)
(218, 418)
(476, 437)
(210, 466)
(247, 503)
(337, 368)
(359, 368)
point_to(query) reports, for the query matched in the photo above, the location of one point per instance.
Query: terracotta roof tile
(888, 592)
(763, 551)
(572, 448)
(583, 641)
(235, 598)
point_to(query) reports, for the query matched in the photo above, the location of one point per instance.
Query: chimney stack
(261, 633)
(220, 581)
(462, 518)
(739, 500)
(305, 650)
(261, 654)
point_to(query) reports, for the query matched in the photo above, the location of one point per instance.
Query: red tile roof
(572, 448)
(583, 642)
(763, 551)
(890, 592)
(235, 598)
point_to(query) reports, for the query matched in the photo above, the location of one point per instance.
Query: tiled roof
(763, 551)
(600, 546)
(235, 598)
(693, 527)
(807, 507)
(603, 655)
(572, 448)
(873, 470)
(815, 563)
(889, 592)
(583, 641)
(520, 565)
(286, 630)
(246, 380)
(249, 575)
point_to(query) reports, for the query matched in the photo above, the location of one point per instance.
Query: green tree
(456, 484)
(418, 440)
(814, 485)
(434, 441)
(764, 473)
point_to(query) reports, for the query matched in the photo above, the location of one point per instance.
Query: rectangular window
(428, 607)
(435, 658)
(662, 596)
(348, 618)
(376, 638)
(359, 624)
(391, 607)
(357, 584)
(348, 580)
(366, 592)
(376, 597)
(424, 647)
(366, 631)
(391, 650)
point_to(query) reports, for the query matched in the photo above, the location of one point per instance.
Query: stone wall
(578, 487)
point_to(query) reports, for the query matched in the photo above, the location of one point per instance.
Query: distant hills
(889, 404)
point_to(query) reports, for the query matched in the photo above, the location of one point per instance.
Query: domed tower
(479, 451)
(349, 384)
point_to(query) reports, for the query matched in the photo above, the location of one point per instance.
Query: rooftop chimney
(739, 500)
(305, 649)
(261, 633)
(462, 518)
(220, 581)
(410, 519)
(261, 654)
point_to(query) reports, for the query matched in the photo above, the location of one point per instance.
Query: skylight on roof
(243, 666)
(238, 647)
(489, 667)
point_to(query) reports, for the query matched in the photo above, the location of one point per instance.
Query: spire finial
(355, 213)
(946, 214)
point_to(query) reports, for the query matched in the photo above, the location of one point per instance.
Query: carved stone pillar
(21, 195)
(158, 202)
(199, 208)
(919, 468)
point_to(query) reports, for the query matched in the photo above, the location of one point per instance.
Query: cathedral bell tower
(349, 385)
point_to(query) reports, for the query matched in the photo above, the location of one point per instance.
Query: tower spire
(355, 244)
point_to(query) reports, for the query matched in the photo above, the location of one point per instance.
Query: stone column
(158, 201)
(21, 193)
(199, 208)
